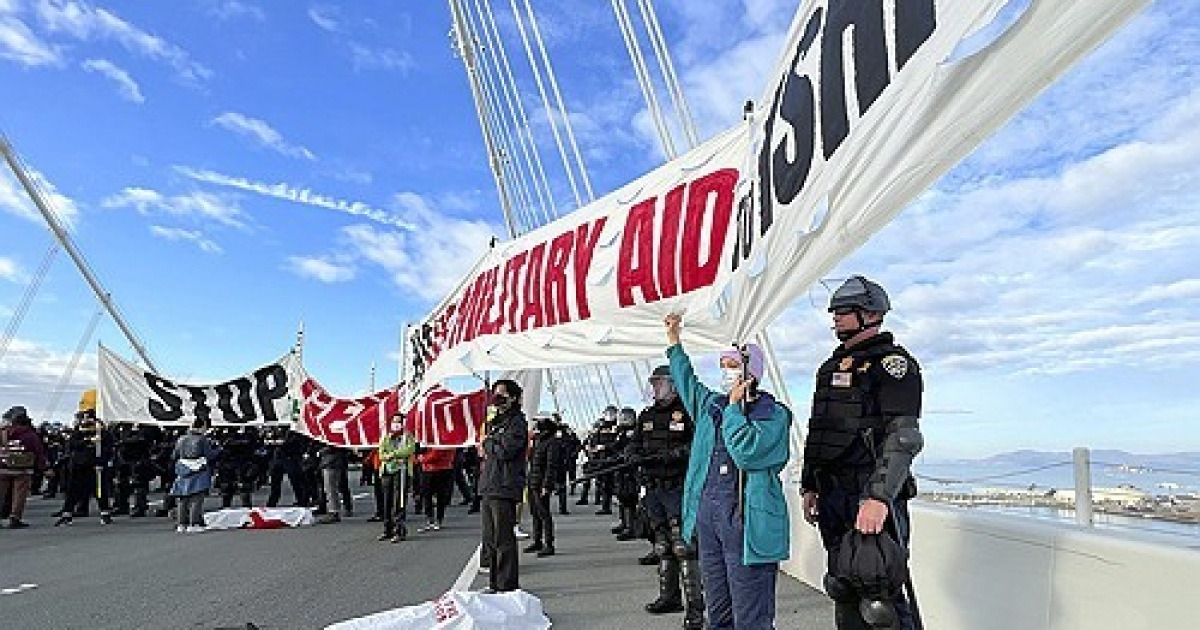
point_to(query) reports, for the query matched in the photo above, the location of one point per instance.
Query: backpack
(13, 455)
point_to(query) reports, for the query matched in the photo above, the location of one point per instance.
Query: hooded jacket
(759, 447)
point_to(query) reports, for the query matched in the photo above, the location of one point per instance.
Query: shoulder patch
(895, 364)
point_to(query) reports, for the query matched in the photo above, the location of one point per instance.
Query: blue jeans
(735, 595)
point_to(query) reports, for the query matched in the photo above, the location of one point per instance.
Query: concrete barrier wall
(983, 571)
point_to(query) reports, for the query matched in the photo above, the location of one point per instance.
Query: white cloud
(428, 262)
(321, 268)
(326, 17)
(262, 133)
(365, 58)
(1188, 289)
(14, 200)
(126, 86)
(84, 22)
(200, 205)
(233, 9)
(19, 44)
(295, 194)
(10, 270)
(195, 237)
(31, 376)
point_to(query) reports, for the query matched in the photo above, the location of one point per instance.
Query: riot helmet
(662, 386)
(611, 414)
(628, 417)
(858, 295)
(862, 294)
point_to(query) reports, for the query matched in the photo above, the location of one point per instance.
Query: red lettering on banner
(668, 243)
(466, 313)
(585, 246)
(512, 291)
(554, 288)
(531, 308)
(489, 324)
(635, 265)
(719, 185)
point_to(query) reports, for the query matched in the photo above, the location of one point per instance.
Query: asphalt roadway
(139, 573)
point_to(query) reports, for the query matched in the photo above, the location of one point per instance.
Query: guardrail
(983, 571)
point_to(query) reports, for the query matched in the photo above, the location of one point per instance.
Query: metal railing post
(1083, 487)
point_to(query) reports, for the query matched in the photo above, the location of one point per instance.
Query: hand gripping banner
(871, 101)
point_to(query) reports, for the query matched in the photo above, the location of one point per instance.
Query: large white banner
(867, 107)
(128, 393)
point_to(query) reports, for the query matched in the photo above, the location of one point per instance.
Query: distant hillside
(1031, 458)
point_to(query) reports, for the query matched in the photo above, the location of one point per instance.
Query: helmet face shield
(662, 390)
(859, 293)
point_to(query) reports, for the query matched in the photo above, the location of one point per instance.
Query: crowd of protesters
(696, 473)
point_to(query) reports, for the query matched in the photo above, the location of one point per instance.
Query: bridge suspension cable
(41, 201)
(31, 291)
(64, 379)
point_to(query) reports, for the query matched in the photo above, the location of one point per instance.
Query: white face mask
(729, 378)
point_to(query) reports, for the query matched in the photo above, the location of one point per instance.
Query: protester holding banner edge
(733, 502)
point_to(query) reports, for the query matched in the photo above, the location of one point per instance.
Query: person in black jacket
(545, 466)
(501, 482)
(287, 457)
(569, 445)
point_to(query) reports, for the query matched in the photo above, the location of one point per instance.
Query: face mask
(500, 401)
(729, 378)
(397, 428)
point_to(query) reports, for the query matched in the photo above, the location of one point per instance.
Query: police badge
(895, 365)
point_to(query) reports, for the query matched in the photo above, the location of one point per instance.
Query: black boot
(649, 559)
(247, 502)
(534, 547)
(628, 518)
(548, 550)
(668, 589)
(693, 595)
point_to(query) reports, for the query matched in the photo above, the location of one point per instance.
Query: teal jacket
(759, 448)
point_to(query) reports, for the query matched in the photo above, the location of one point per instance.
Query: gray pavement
(595, 583)
(139, 573)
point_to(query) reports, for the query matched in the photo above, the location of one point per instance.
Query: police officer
(237, 467)
(602, 454)
(88, 469)
(862, 437)
(133, 470)
(625, 481)
(287, 456)
(662, 439)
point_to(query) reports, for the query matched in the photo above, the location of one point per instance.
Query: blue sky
(233, 168)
